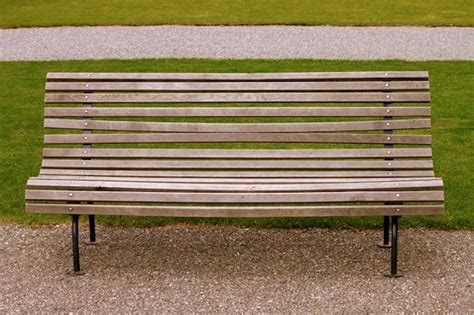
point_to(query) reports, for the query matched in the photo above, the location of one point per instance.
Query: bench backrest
(120, 116)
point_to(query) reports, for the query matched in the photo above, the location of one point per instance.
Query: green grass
(28, 13)
(21, 106)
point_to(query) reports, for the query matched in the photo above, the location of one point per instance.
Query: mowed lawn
(21, 119)
(28, 13)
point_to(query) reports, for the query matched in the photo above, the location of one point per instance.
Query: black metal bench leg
(92, 238)
(386, 233)
(75, 246)
(394, 250)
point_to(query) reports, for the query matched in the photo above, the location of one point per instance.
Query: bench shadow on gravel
(235, 253)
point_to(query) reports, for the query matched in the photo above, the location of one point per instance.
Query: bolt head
(388, 152)
(388, 138)
(387, 96)
(387, 85)
(398, 195)
(70, 194)
(70, 209)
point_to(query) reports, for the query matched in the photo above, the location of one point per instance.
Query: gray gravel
(318, 42)
(183, 269)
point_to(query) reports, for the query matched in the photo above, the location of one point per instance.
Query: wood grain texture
(236, 111)
(238, 153)
(247, 197)
(238, 164)
(236, 127)
(237, 137)
(237, 86)
(229, 180)
(240, 174)
(240, 97)
(211, 187)
(229, 211)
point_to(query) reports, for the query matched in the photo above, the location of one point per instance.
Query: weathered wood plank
(230, 180)
(236, 111)
(238, 137)
(236, 127)
(241, 97)
(237, 153)
(238, 164)
(229, 211)
(238, 86)
(125, 76)
(267, 197)
(211, 187)
(240, 174)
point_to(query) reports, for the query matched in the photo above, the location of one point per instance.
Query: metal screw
(85, 124)
(88, 74)
(86, 97)
(387, 96)
(86, 111)
(70, 209)
(85, 152)
(386, 73)
(388, 110)
(389, 164)
(398, 210)
(70, 194)
(87, 85)
(84, 163)
(398, 195)
(388, 124)
(85, 138)
(389, 173)
(388, 138)
(388, 152)
(386, 84)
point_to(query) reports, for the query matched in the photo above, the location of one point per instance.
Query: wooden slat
(237, 153)
(236, 111)
(421, 75)
(236, 127)
(241, 174)
(237, 86)
(241, 97)
(237, 137)
(210, 187)
(229, 211)
(231, 180)
(191, 197)
(237, 164)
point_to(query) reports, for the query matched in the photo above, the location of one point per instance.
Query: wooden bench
(271, 150)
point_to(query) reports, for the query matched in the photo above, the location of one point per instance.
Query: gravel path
(318, 42)
(228, 269)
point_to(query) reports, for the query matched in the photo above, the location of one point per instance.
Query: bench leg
(394, 250)
(386, 233)
(92, 239)
(75, 246)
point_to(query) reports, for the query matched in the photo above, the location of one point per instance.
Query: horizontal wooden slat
(238, 137)
(238, 86)
(236, 111)
(236, 127)
(210, 187)
(423, 75)
(191, 197)
(242, 97)
(241, 174)
(229, 211)
(236, 153)
(230, 180)
(237, 164)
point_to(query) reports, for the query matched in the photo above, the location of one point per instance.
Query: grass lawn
(28, 13)
(21, 119)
